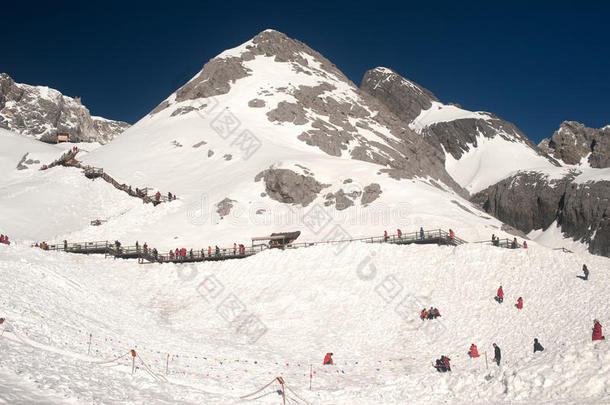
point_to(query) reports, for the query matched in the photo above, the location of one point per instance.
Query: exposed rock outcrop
(529, 200)
(402, 97)
(42, 113)
(573, 142)
(224, 207)
(371, 193)
(288, 187)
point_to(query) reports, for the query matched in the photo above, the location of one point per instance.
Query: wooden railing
(117, 250)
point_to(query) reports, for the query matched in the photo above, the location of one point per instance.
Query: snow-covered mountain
(268, 133)
(480, 148)
(508, 175)
(42, 113)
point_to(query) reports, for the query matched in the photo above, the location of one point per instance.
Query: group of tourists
(431, 313)
(170, 196)
(495, 240)
(499, 298)
(4, 239)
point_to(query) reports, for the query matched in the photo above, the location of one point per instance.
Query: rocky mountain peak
(403, 97)
(573, 142)
(287, 83)
(42, 112)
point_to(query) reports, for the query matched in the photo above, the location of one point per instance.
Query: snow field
(362, 303)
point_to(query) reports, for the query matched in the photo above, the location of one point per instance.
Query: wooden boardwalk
(68, 159)
(151, 255)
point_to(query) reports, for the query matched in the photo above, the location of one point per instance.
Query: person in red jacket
(474, 351)
(1, 238)
(524, 244)
(500, 295)
(171, 254)
(597, 331)
(385, 236)
(399, 232)
(451, 234)
(328, 359)
(520, 303)
(183, 252)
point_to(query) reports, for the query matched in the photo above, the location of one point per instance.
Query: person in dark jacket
(497, 354)
(586, 271)
(421, 232)
(537, 346)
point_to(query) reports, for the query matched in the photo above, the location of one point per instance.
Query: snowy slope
(480, 148)
(361, 303)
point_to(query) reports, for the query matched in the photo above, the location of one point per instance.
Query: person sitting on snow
(473, 352)
(442, 365)
(597, 331)
(328, 359)
(500, 295)
(519, 304)
(537, 346)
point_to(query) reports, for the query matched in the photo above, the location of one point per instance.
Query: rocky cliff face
(446, 127)
(573, 142)
(42, 112)
(530, 200)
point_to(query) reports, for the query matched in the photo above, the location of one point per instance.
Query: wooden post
(167, 365)
(90, 338)
(310, 375)
(486, 366)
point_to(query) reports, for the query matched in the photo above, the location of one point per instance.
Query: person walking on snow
(519, 303)
(597, 331)
(537, 346)
(500, 295)
(421, 232)
(399, 233)
(586, 271)
(473, 352)
(497, 354)
(385, 236)
(328, 359)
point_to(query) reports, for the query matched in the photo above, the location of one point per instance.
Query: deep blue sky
(533, 64)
